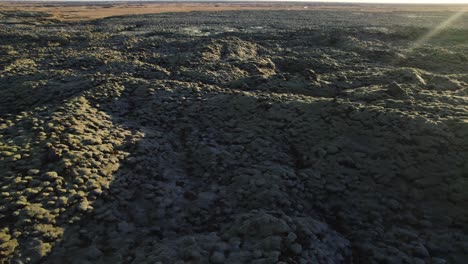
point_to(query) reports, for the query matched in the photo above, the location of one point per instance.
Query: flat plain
(76, 11)
(326, 134)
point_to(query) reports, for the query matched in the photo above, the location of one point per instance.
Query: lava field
(234, 137)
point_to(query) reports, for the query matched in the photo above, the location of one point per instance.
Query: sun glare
(398, 1)
(416, 1)
(421, 41)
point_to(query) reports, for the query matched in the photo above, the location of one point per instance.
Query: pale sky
(395, 1)
(403, 1)
(324, 1)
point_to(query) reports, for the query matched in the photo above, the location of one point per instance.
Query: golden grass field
(89, 11)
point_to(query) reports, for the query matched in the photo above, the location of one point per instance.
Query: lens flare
(421, 41)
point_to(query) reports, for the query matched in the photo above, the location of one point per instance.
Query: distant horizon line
(404, 2)
(288, 1)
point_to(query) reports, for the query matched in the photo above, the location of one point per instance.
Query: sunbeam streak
(420, 42)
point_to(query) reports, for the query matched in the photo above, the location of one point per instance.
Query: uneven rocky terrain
(234, 137)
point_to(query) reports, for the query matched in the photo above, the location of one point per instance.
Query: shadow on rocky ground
(240, 176)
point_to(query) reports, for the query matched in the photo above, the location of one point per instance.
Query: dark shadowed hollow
(234, 137)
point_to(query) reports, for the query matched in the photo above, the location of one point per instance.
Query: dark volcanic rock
(234, 137)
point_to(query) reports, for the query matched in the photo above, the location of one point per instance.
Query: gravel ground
(234, 137)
